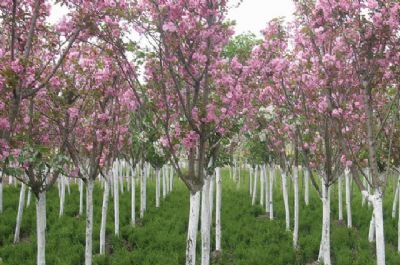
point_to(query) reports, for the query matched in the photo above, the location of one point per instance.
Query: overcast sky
(251, 15)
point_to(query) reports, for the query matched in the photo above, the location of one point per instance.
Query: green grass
(159, 239)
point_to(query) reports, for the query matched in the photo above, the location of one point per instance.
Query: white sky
(251, 15)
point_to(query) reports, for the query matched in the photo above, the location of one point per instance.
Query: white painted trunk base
(254, 192)
(89, 223)
(133, 199)
(116, 201)
(158, 172)
(143, 187)
(41, 228)
(80, 197)
(296, 207)
(218, 201)
(194, 214)
(104, 208)
(285, 200)
(266, 182)
(205, 222)
(348, 198)
(306, 187)
(325, 245)
(340, 198)
(271, 193)
(20, 213)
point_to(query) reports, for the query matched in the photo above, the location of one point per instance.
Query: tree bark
(205, 222)
(306, 186)
(395, 199)
(80, 197)
(271, 193)
(28, 200)
(266, 181)
(158, 187)
(41, 228)
(104, 209)
(340, 198)
(296, 207)
(379, 234)
(262, 185)
(89, 222)
(194, 213)
(116, 200)
(285, 199)
(62, 195)
(348, 198)
(20, 213)
(254, 192)
(325, 247)
(133, 199)
(218, 201)
(143, 187)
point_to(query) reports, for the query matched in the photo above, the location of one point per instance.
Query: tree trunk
(143, 187)
(205, 222)
(89, 222)
(251, 181)
(371, 231)
(41, 228)
(398, 228)
(133, 199)
(158, 187)
(218, 209)
(116, 201)
(80, 197)
(1, 194)
(194, 213)
(262, 185)
(395, 199)
(171, 178)
(20, 213)
(106, 198)
(340, 199)
(266, 182)
(164, 182)
(296, 207)
(62, 196)
(28, 200)
(306, 186)
(271, 193)
(255, 180)
(348, 198)
(325, 246)
(212, 190)
(285, 199)
(379, 234)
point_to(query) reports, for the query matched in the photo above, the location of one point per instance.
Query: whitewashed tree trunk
(218, 201)
(20, 213)
(325, 246)
(80, 197)
(296, 207)
(371, 231)
(194, 214)
(67, 183)
(262, 185)
(211, 193)
(28, 200)
(254, 192)
(306, 186)
(266, 182)
(285, 199)
(395, 199)
(171, 178)
(340, 199)
(1, 194)
(164, 182)
(89, 222)
(116, 201)
(62, 196)
(271, 193)
(143, 187)
(379, 232)
(106, 198)
(348, 198)
(133, 199)
(251, 181)
(205, 222)
(398, 228)
(158, 172)
(41, 228)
